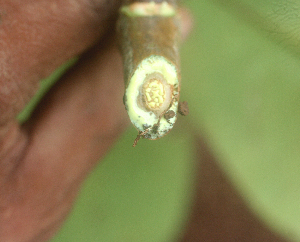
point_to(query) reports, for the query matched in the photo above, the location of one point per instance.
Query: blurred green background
(241, 77)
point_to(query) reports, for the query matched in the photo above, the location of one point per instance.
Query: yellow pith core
(154, 94)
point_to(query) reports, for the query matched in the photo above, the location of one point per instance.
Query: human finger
(38, 36)
(74, 126)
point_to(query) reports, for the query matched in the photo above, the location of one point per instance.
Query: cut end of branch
(153, 90)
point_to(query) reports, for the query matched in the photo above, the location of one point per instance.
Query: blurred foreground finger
(38, 36)
(73, 127)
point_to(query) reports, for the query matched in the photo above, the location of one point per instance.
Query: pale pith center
(154, 94)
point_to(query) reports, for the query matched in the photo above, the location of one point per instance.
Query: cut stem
(149, 39)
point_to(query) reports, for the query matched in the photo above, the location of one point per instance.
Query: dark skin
(44, 161)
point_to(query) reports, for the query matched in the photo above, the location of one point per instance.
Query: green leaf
(244, 95)
(135, 194)
(278, 19)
